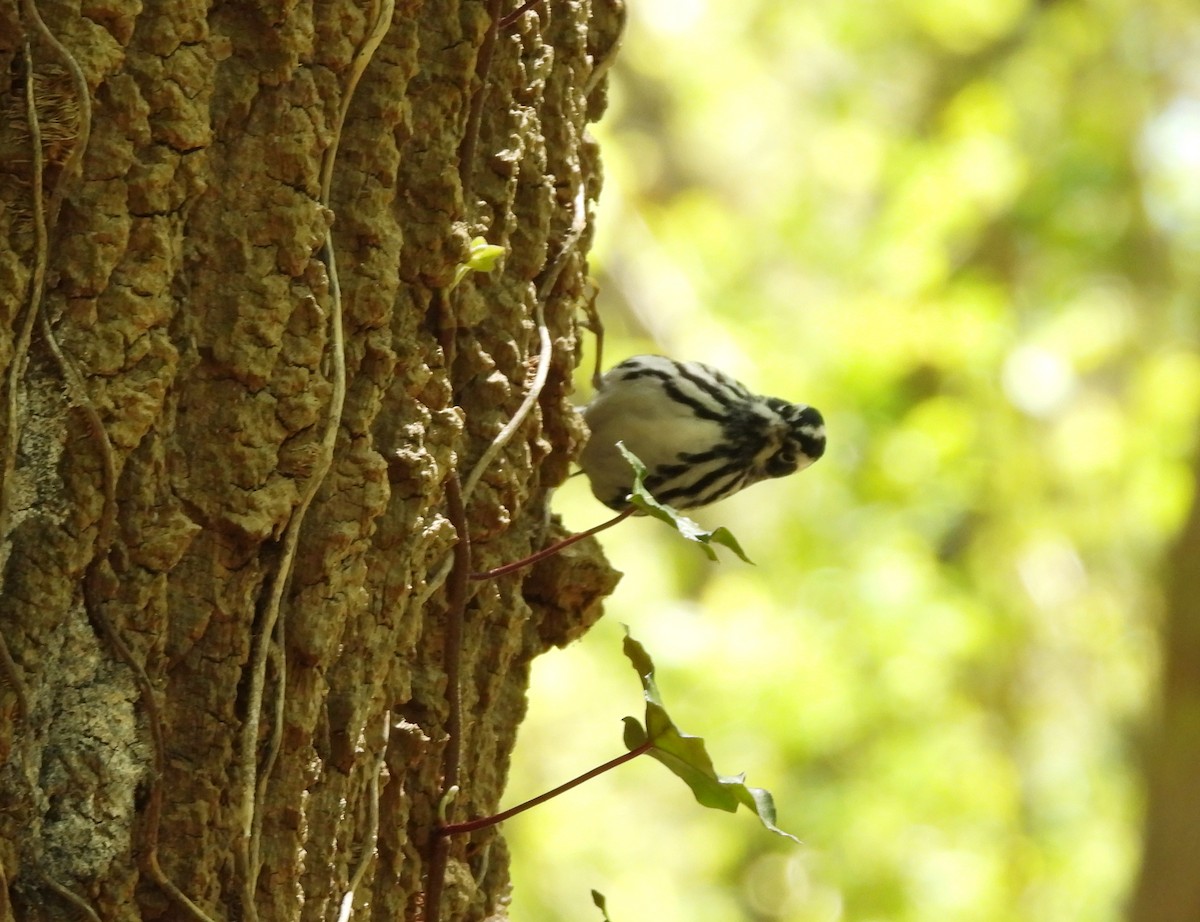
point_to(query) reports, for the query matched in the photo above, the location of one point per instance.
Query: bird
(702, 435)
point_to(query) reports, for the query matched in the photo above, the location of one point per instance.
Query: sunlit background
(969, 232)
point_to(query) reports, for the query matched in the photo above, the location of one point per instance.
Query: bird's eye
(782, 463)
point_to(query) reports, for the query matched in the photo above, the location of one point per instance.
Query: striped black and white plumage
(701, 434)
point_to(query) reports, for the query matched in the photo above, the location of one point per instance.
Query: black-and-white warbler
(701, 434)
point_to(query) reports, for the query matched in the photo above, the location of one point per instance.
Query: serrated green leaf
(637, 655)
(725, 538)
(685, 755)
(760, 801)
(642, 500)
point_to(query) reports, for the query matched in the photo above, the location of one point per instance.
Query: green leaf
(601, 904)
(481, 257)
(685, 755)
(689, 529)
(634, 735)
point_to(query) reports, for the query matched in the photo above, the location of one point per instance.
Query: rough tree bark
(225, 532)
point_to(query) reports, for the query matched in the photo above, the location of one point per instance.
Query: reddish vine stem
(453, 829)
(456, 605)
(518, 13)
(466, 153)
(553, 548)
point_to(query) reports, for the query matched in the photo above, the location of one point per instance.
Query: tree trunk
(237, 391)
(1168, 888)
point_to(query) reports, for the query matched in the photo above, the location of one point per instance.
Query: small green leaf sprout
(481, 257)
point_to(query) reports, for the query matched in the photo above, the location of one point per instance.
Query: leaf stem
(452, 829)
(554, 548)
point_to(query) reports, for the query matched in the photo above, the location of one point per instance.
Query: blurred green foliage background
(969, 232)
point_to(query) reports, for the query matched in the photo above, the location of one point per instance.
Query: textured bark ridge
(171, 372)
